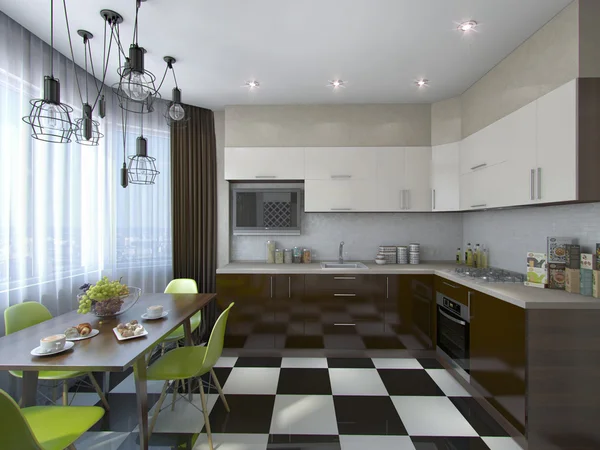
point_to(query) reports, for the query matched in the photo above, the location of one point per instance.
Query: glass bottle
(297, 255)
(270, 252)
(287, 256)
(306, 257)
(278, 256)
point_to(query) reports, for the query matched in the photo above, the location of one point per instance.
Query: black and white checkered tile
(317, 403)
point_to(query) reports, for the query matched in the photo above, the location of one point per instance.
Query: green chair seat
(50, 374)
(179, 364)
(183, 286)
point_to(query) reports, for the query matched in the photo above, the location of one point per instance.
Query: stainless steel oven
(453, 330)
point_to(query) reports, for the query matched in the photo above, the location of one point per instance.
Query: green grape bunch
(104, 291)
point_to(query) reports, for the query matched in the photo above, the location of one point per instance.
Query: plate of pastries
(80, 332)
(129, 330)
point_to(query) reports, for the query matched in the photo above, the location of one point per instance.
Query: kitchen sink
(347, 265)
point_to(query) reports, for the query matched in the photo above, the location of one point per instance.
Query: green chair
(190, 362)
(44, 427)
(24, 315)
(182, 286)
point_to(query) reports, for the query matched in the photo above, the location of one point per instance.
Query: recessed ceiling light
(337, 84)
(467, 26)
(422, 83)
(252, 84)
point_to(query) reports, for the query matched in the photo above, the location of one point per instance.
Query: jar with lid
(278, 256)
(287, 256)
(306, 257)
(270, 252)
(297, 255)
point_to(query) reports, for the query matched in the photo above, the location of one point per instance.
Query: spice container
(278, 256)
(297, 255)
(306, 257)
(287, 256)
(270, 252)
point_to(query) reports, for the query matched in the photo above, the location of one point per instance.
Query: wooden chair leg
(220, 390)
(162, 351)
(206, 418)
(71, 447)
(54, 392)
(175, 389)
(99, 391)
(163, 395)
(65, 393)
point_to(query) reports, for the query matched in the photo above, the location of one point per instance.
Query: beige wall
(328, 125)
(446, 121)
(547, 60)
(222, 193)
(589, 38)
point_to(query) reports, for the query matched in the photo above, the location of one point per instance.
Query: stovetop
(491, 275)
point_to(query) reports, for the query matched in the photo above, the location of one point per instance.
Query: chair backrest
(182, 286)
(23, 315)
(214, 348)
(14, 429)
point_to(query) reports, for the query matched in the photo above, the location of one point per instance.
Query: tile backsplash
(438, 234)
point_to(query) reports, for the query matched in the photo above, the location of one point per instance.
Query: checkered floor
(310, 403)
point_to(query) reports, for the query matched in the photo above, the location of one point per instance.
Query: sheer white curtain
(64, 218)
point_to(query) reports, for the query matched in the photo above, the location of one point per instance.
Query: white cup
(53, 343)
(154, 311)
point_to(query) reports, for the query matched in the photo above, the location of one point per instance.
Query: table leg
(139, 375)
(29, 393)
(187, 329)
(106, 382)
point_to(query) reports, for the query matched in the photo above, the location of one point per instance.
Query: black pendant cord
(163, 79)
(135, 26)
(72, 53)
(105, 68)
(52, 38)
(175, 78)
(117, 37)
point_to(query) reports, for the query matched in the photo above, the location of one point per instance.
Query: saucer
(93, 333)
(164, 314)
(37, 351)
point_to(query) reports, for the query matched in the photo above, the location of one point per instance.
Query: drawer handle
(341, 209)
(344, 295)
(344, 324)
(451, 285)
(339, 177)
(479, 166)
(344, 278)
(265, 176)
(483, 205)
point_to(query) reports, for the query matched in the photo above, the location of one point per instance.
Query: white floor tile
(233, 442)
(252, 381)
(102, 440)
(187, 417)
(304, 414)
(501, 443)
(356, 382)
(447, 383)
(304, 363)
(431, 416)
(226, 361)
(376, 442)
(81, 399)
(127, 386)
(397, 363)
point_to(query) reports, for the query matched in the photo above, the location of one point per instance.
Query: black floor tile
(448, 443)
(430, 363)
(350, 363)
(478, 417)
(383, 342)
(245, 361)
(413, 382)
(161, 441)
(304, 342)
(222, 374)
(123, 412)
(249, 414)
(304, 382)
(367, 416)
(303, 442)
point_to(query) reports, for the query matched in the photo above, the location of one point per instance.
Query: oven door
(453, 337)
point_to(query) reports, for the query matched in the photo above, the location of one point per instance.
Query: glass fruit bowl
(116, 306)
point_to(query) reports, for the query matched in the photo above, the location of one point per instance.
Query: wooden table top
(102, 352)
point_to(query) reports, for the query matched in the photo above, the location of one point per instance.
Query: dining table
(103, 352)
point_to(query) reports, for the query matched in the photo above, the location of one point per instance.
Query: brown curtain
(194, 204)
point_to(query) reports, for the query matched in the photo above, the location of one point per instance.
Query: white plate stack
(402, 255)
(389, 252)
(414, 253)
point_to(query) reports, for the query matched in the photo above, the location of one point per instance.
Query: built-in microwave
(266, 210)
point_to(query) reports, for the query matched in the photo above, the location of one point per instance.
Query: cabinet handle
(433, 198)
(344, 278)
(449, 317)
(387, 287)
(344, 295)
(479, 166)
(532, 181)
(265, 176)
(340, 177)
(271, 286)
(289, 287)
(483, 205)
(344, 324)
(341, 209)
(539, 183)
(402, 199)
(451, 285)
(408, 199)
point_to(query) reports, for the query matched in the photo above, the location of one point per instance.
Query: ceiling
(379, 47)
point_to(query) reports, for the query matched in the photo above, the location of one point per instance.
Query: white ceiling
(380, 47)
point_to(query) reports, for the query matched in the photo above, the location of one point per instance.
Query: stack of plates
(402, 255)
(414, 253)
(389, 252)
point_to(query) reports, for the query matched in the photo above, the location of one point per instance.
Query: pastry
(71, 333)
(121, 326)
(84, 329)
(127, 333)
(133, 322)
(138, 330)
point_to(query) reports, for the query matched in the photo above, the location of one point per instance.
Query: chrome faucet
(341, 255)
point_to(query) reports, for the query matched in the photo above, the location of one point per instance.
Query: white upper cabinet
(556, 169)
(482, 189)
(340, 195)
(338, 163)
(264, 163)
(418, 179)
(445, 171)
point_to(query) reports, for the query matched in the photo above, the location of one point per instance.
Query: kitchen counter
(514, 293)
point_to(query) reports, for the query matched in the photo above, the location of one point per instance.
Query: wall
(510, 234)
(438, 234)
(589, 38)
(446, 121)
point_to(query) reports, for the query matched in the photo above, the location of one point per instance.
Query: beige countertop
(514, 293)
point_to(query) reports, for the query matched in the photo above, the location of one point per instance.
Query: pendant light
(50, 119)
(142, 168)
(87, 131)
(176, 114)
